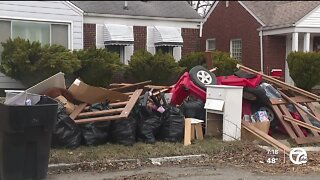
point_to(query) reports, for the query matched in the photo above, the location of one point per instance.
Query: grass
(141, 150)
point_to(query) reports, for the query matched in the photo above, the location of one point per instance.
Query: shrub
(192, 59)
(304, 69)
(225, 64)
(161, 68)
(30, 62)
(98, 66)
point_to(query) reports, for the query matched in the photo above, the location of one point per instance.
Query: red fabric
(236, 81)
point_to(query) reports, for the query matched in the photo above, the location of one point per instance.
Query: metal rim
(204, 77)
(269, 113)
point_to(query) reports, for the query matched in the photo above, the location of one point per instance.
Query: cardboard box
(263, 126)
(90, 94)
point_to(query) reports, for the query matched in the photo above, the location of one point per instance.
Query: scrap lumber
(280, 83)
(265, 137)
(127, 87)
(118, 113)
(300, 123)
(77, 111)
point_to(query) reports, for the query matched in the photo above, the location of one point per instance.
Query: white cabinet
(227, 101)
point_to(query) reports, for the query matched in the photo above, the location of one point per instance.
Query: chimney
(125, 5)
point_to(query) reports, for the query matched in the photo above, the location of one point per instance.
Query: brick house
(260, 34)
(126, 26)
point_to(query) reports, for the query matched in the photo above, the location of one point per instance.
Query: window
(165, 49)
(45, 33)
(32, 31)
(4, 33)
(236, 49)
(211, 45)
(117, 49)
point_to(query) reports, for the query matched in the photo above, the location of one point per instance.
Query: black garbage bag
(96, 133)
(172, 129)
(66, 133)
(148, 128)
(123, 131)
(193, 108)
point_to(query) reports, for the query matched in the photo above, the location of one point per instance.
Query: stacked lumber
(301, 100)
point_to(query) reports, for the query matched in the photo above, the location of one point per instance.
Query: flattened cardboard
(263, 126)
(90, 94)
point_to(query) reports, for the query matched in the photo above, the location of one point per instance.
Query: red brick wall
(140, 37)
(226, 23)
(274, 53)
(89, 35)
(191, 40)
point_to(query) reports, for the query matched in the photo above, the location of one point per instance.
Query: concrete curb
(154, 161)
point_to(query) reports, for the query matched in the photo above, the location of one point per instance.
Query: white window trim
(231, 46)
(207, 44)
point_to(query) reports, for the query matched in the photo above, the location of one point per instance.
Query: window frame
(122, 51)
(232, 50)
(68, 24)
(207, 44)
(170, 49)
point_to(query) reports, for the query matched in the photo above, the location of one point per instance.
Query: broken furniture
(225, 101)
(301, 101)
(193, 130)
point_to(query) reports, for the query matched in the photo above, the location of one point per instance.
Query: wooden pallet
(297, 97)
(120, 110)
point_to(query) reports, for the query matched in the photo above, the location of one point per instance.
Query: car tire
(202, 77)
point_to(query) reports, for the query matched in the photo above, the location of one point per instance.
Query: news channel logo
(298, 156)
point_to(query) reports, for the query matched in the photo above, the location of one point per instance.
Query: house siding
(191, 40)
(89, 35)
(311, 20)
(234, 22)
(140, 37)
(47, 11)
(274, 53)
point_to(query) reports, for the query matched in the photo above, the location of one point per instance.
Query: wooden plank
(156, 87)
(125, 113)
(300, 123)
(193, 128)
(313, 110)
(265, 137)
(100, 113)
(199, 133)
(280, 83)
(118, 104)
(296, 128)
(307, 140)
(285, 124)
(77, 111)
(306, 119)
(128, 93)
(298, 99)
(187, 132)
(298, 105)
(97, 119)
(130, 86)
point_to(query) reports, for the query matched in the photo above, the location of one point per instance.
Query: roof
(280, 13)
(165, 9)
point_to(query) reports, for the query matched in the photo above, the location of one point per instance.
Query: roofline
(142, 17)
(210, 11)
(252, 14)
(304, 17)
(73, 6)
(267, 28)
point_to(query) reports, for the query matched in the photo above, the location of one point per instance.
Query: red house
(260, 34)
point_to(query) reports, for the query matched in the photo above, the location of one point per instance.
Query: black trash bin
(25, 137)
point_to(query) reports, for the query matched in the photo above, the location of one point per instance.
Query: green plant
(30, 62)
(192, 59)
(225, 64)
(161, 68)
(98, 66)
(304, 69)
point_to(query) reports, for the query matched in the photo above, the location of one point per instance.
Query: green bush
(31, 63)
(98, 66)
(161, 68)
(225, 64)
(304, 69)
(192, 59)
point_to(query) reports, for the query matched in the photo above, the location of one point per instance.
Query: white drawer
(215, 93)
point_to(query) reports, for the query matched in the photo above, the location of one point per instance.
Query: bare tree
(202, 7)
